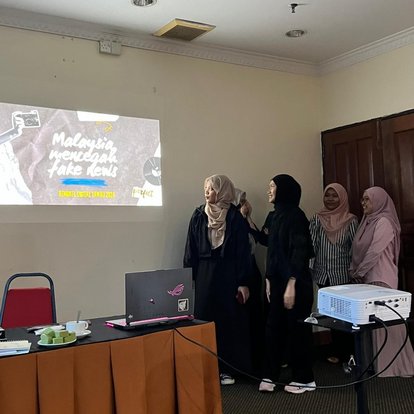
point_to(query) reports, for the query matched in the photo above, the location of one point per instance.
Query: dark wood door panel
(352, 156)
(369, 164)
(404, 143)
(402, 122)
(377, 152)
(340, 156)
(398, 139)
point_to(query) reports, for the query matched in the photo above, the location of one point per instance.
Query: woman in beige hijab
(218, 251)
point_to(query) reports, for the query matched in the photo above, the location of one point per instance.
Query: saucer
(84, 334)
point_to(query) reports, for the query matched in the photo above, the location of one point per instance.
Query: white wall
(377, 87)
(215, 118)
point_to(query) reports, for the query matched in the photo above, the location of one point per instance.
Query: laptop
(156, 297)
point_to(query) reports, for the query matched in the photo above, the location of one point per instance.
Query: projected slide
(60, 157)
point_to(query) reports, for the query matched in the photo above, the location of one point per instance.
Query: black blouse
(235, 246)
(289, 245)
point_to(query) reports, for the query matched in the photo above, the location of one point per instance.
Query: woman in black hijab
(288, 288)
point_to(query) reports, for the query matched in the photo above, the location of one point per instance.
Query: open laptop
(159, 296)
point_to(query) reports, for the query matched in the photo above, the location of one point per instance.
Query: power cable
(358, 381)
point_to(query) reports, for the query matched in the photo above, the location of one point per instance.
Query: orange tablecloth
(155, 373)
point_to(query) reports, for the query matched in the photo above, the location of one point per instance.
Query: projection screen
(61, 157)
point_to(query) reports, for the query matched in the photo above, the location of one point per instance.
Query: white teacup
(78, 327)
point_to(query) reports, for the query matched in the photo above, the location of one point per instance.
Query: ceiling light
(295, 33)
(144, 3)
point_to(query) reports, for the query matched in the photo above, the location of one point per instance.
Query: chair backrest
(28, 306)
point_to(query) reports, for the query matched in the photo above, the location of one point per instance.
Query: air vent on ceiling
(183, 29)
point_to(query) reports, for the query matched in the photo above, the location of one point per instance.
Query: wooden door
(398, 145)
(378, 152)
(352, 156)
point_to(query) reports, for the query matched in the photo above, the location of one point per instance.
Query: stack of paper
(14, 347)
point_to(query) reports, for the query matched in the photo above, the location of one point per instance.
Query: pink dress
(382, 270)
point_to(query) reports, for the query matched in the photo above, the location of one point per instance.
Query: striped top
(332, 261)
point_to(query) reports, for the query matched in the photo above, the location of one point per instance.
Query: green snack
(70, 337)
(45, 339)
(49, 332)
(49, 336)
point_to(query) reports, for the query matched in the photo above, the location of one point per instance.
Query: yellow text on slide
(86, 194)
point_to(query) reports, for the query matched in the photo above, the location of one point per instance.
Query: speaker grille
(183, 30)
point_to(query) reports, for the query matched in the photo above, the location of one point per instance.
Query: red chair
(28, 306)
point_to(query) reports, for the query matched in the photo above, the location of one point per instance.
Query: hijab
(217, 212)
(282, 256)
(383, 206)
(288, 191)
(334, 222)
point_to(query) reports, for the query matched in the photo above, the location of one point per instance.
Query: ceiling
(248, 32)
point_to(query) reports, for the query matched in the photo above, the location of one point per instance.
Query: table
(149, 370)
(363, 351)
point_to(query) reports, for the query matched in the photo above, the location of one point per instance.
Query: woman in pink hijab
(375, 253)
(332, 230)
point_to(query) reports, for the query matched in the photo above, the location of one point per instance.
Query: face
(271, 192)
(331, 199)
(366, 204)
(209, 194)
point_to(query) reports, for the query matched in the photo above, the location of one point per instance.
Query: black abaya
(288, 254)
(217, 274)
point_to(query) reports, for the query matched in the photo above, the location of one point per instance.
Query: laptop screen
(158, 295)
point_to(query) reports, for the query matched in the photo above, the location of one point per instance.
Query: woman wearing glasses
(289, 288)
(375, 252)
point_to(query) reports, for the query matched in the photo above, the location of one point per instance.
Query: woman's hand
(243, 294)
(357, 279)
(354, 278)
(246, 209)
(290, 293)
(268, 289)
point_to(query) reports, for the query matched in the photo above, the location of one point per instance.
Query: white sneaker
(299, 388)
(226, 379)
(266, 385)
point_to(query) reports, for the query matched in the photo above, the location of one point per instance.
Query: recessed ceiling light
(295, 33)
(144, 3)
